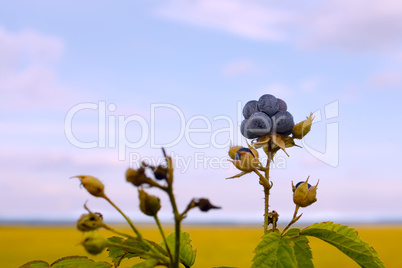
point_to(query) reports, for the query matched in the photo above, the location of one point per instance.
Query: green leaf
(274, 251)
(78, 262)
(187, 253)
(150, 263)
(346, 240)
(301, 247)
(36, 264)
(117, 254)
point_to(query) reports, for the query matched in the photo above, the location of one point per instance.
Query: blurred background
(94, 87)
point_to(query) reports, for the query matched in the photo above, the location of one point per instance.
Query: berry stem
(163, 237)
(139, 236)
(266, 192)
(295, 219)
(267, 187)
(177, 216)
(107, 227)
(177, 222)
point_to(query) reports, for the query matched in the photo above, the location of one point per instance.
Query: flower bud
(93, 185)
(94, 243)
(255, 152)
(89, 222)
(204, 205)
(245, 160)
(233, 150)
(149, 204)
(304, 194)
(301, 129)
(137, 177)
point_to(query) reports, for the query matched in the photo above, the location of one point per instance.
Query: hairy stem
(163, 237)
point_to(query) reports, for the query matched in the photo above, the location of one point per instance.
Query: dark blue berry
(246, 132)
(259, 123)
(237, 156)
(268, 104)
(308, 184)
(283, 122)
(250, 108)
(282, 105)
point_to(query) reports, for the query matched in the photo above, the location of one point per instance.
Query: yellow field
(216, 245)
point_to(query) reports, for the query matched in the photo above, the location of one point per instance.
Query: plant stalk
(139, 236)
(266, 190)
(107, 227)
(266, 193)
(295, 219)
(158, 223)
(177, 223)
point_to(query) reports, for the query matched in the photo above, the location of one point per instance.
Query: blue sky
(205, 59)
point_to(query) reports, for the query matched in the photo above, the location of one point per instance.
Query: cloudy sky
(93, 87)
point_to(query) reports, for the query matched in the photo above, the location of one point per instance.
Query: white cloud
(245, 18)
(354, 25)
(341, 24)
(239, 67)
(28, 78)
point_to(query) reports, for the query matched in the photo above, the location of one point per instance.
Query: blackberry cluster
(267, 115)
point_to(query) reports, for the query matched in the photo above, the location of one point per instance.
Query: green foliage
(346, 240)
(275, 251)
(68, 262)
(117, 254)
(36, 264)
(287, 249)
(146, 264)
(187, 253)
(302, 249)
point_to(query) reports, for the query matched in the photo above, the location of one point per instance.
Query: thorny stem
(266, 193)
(266, 189)
(163, 237)
(295, 219)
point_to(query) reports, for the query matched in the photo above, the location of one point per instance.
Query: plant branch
(107, 227)
(177, 220)
(158, 223)
(295, 219)
(264, 181)
(177, 217)
(139, 236)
